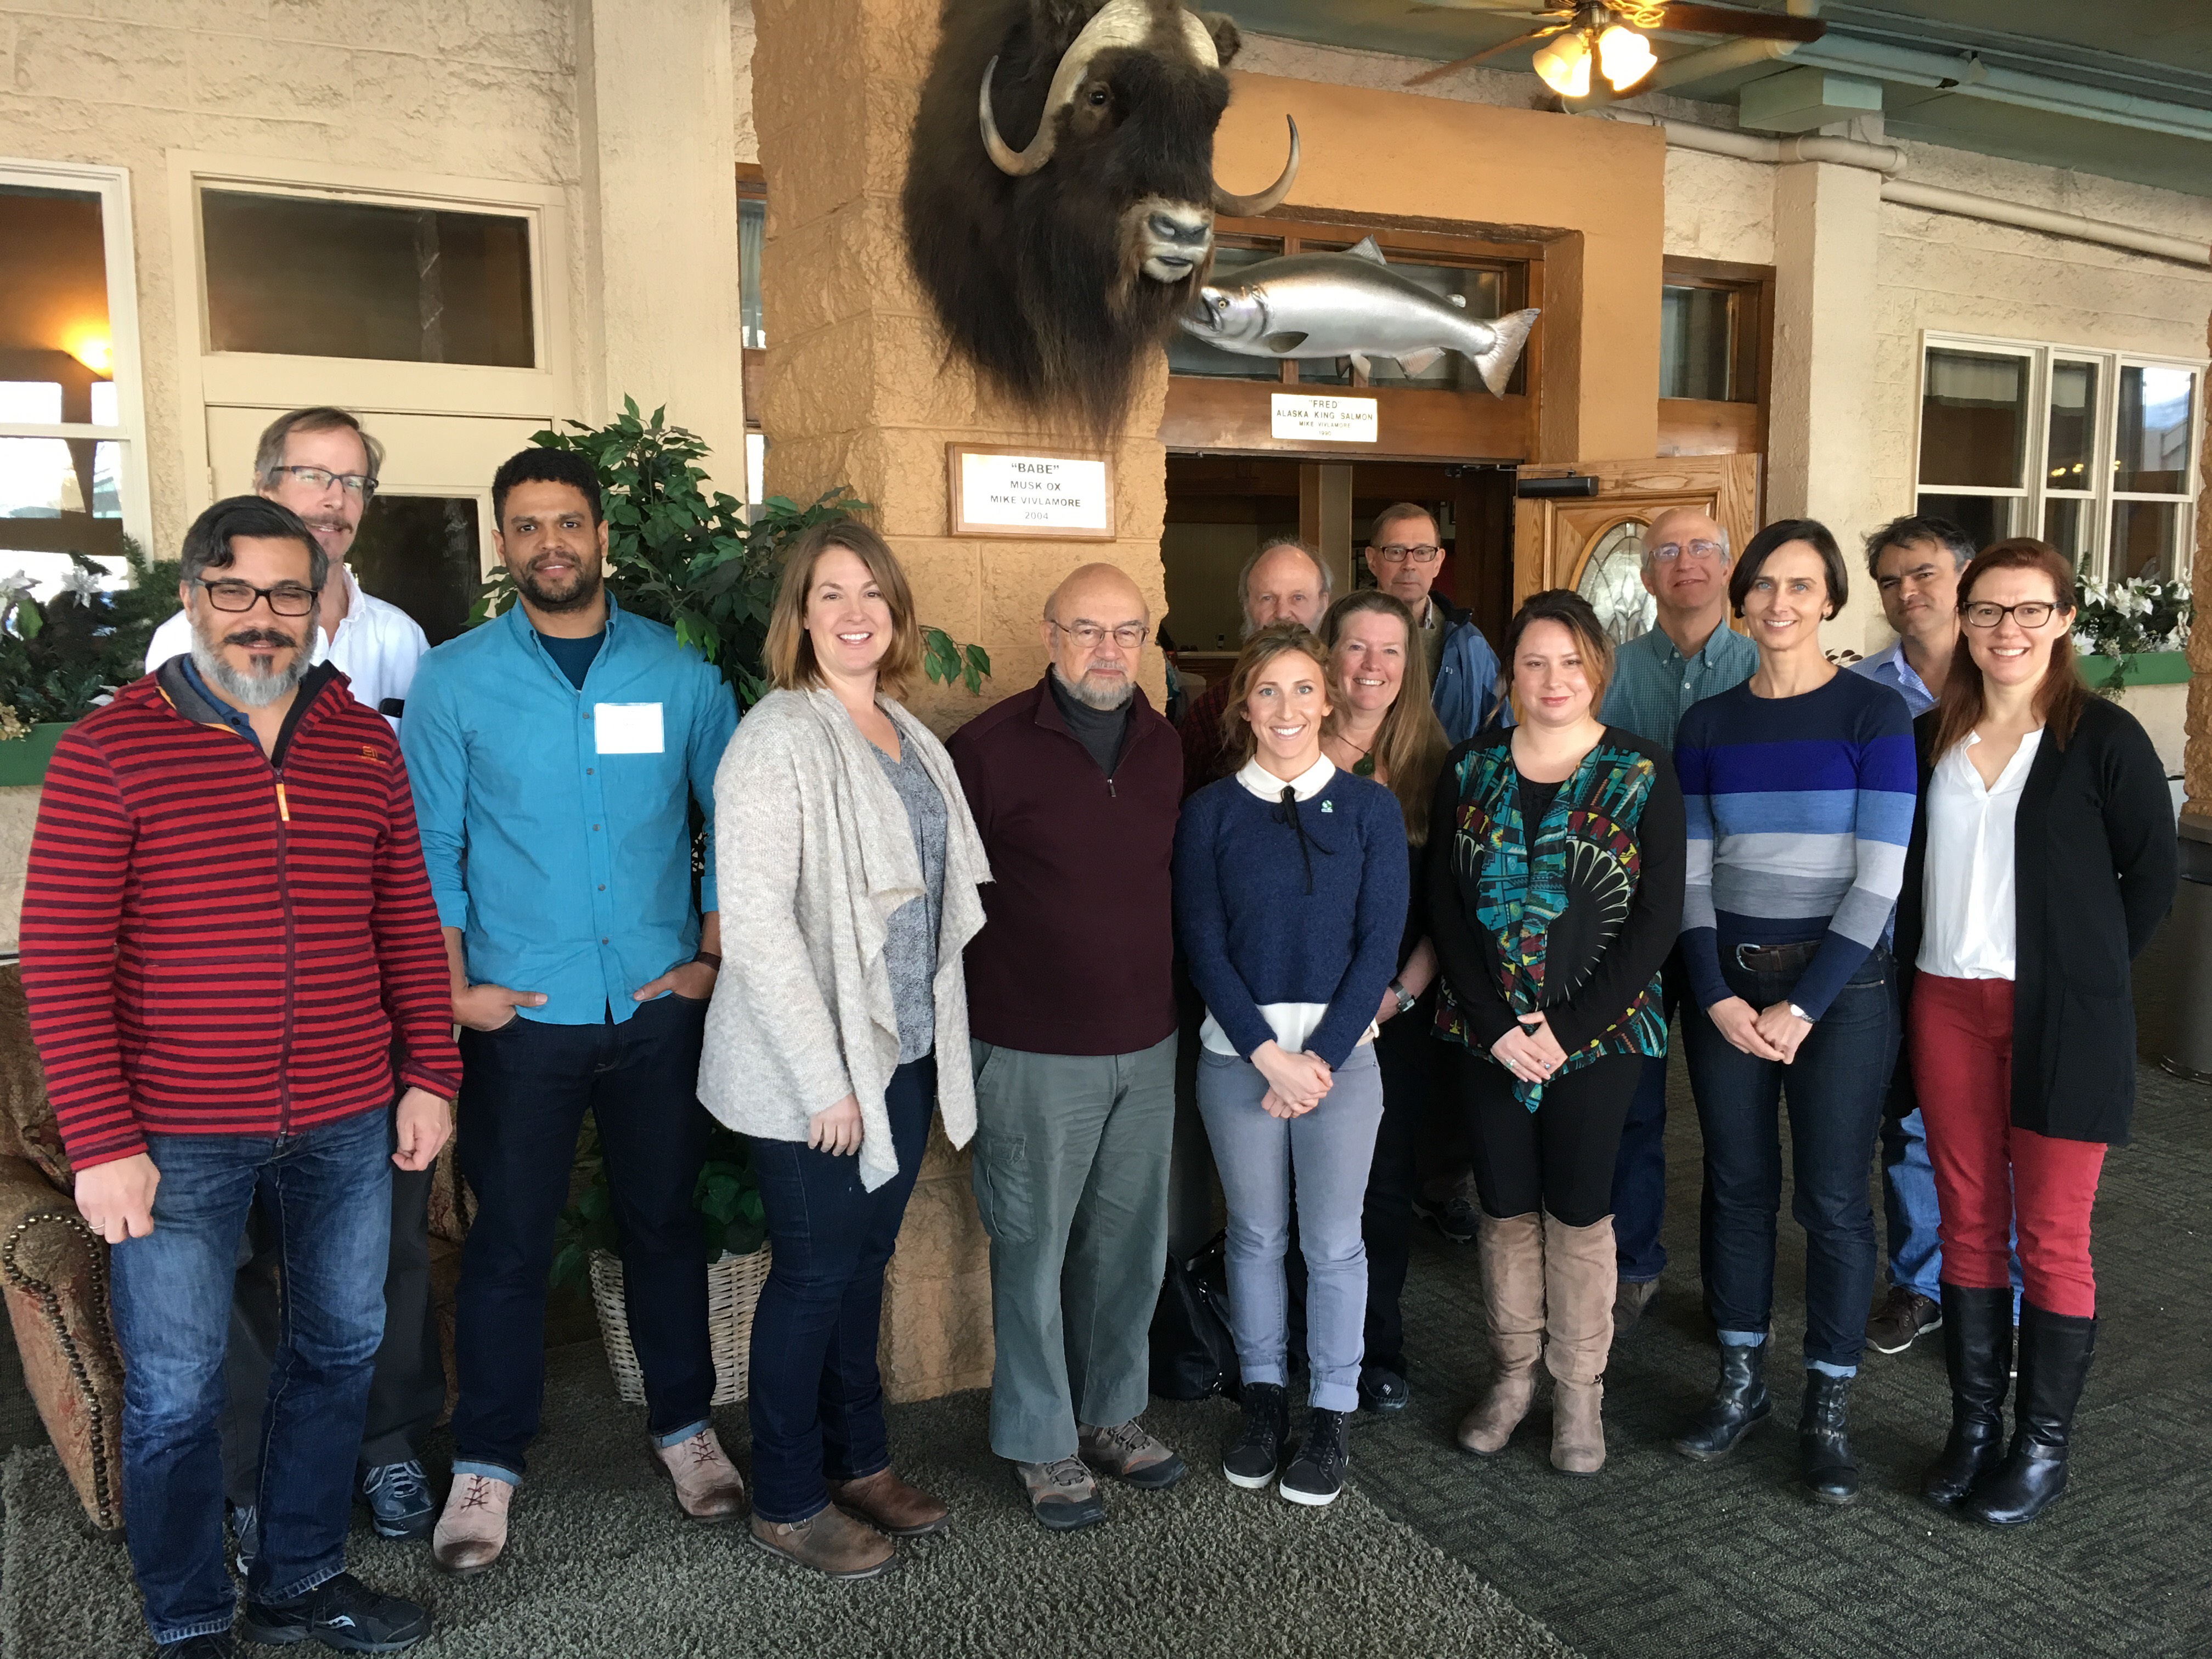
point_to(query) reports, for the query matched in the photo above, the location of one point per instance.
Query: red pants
(1989, 1174)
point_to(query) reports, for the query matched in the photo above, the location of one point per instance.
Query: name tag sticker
(627, 728)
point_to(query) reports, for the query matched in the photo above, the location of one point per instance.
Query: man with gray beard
(1074, 784)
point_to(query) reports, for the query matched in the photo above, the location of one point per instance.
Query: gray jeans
(1330, 1149)
(1071, 1173)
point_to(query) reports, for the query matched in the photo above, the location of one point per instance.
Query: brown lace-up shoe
(1127, 1453)
(890, 1505)
(830, 1542)
(472, 1530)
(1063, 1494)
(1902, 1318)
(707, 1485)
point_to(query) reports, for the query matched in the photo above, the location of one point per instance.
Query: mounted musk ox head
(1060, 195)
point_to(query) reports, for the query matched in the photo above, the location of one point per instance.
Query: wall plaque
(1009, 492)
(1313, 415)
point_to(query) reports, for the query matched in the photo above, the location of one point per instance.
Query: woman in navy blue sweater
(1290, 894)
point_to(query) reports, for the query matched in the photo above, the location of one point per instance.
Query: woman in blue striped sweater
(1289, 898)
(1798, 789)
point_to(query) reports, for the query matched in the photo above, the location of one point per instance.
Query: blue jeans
(1640, 1168)
(1835, 1090)
(524, 1092)
(1331, 1149)
(817, 1400)
(1916, 1254)
(328, 1192)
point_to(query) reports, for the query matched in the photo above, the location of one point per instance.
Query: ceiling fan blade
(1458, 63)
(1527, 6)
(1752, 25)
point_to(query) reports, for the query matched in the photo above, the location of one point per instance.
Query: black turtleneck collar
(1100, 730)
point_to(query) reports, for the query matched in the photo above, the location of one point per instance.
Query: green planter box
(24, 759)
(2149, 668)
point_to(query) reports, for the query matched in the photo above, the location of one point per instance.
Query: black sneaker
(399, 1501)
(1455, 1217)
(1382, 1389)
(340, 1612)
(1315, 1473)
(215, 1646)
(1252, 1462)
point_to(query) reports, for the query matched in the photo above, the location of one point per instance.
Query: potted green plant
(62, 658)
(2133, 632)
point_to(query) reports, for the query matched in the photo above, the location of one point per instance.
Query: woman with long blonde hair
(1380, 725)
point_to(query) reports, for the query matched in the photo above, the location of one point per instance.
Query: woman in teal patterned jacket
(1555, 891)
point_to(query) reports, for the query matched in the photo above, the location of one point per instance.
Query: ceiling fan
(1609, 37)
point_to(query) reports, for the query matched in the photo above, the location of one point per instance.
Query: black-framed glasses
(1130, 636)
(1667, 552)
(285, 600)
(1987, 613)
(362, 485)
(1399, 552)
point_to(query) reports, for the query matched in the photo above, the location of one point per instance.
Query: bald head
(1283, 583)
(1095, 625)
(1691, 586)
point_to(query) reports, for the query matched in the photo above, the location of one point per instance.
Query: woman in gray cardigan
(850, 867)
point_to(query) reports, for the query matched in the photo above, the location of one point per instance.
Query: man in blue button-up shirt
(556, 755)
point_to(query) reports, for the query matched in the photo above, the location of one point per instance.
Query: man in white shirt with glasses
(1403, 552)
(321, 463)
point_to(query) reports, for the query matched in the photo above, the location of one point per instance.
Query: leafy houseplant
(2123, 620)
(61, 659)
(726, 1197)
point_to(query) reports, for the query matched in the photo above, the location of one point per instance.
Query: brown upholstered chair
(53, 1274)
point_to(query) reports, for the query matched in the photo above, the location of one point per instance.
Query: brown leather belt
(1776, 958)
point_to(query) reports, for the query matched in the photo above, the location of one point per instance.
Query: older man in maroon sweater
(1074, 785)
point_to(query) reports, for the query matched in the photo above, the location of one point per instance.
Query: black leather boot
(2054, 1351)
(1738, 1400)
(1978, 1352)
(1824, 1441)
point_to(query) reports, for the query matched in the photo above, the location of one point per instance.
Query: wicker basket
(733, 1285)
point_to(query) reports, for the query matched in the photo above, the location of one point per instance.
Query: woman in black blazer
(2042, 859)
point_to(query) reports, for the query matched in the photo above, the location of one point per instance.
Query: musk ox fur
(1059, 194)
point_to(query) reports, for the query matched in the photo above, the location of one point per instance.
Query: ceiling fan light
(1625, 56)
(1564, 64)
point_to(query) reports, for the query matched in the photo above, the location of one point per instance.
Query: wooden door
(1554, 536)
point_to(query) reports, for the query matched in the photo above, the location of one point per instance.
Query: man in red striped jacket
(225, 924)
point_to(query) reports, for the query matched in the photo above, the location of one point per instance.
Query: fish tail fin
(1509, 333)
(1420, 362)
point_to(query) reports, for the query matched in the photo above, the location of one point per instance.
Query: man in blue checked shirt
(556, 753)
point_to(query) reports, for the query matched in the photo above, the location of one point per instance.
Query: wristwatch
(1405, 998)
(1801, 1014)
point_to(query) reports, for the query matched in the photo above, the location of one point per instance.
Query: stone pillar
(658, 131)
(860, 390)
(1821, 460)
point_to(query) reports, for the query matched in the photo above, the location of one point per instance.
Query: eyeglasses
(1667, 552)
(285, 600)
(320, 477)
(2031, 614)
(1091, 635)
(1398, 552)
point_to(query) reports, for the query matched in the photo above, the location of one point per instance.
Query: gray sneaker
(1062, 1495)
(1129, 1454)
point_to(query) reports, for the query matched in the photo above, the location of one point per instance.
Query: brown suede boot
(890, 1505)
(829, 1541)
(1513, 1297)
(1579, 1285)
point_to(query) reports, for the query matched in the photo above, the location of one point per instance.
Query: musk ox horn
(1116, 23)
(1251, 207)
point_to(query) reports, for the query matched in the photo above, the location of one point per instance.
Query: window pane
(1188, 354)
(421, 553)
(1613, 582)
(58, 495)
(1985, 519)
(2066, 524)
(349, 279)
(1697, 334)
(1973, 420)
(2151, 455)
(30, 401)
(2145, 538)
(2073, 446)
(752, 232)
(53, 295)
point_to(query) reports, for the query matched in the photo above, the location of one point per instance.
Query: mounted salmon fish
(1352, 304)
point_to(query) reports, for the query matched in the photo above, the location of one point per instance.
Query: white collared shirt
(1293, 1023)
(377, 647)
(1971, 930)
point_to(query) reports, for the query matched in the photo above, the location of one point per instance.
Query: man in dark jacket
(1406, 558)
(1074, 784)
(226, 922)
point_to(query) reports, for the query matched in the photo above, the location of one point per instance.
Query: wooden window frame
(1738, 423)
